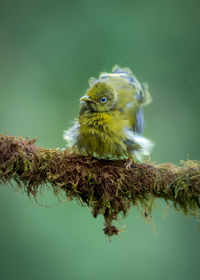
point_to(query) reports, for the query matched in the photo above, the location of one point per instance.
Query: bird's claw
(128, 164)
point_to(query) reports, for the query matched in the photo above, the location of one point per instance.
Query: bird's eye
(103, 100)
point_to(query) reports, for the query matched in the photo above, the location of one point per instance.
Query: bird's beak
(87, 99)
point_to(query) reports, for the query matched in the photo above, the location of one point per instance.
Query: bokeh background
(48, 51)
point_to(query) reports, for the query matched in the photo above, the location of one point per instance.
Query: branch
(105, 186)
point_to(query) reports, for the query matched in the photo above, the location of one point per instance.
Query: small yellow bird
(110, 122)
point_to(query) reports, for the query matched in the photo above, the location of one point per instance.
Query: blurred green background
(48, 51)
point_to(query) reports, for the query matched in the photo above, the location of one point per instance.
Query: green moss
(105, 186)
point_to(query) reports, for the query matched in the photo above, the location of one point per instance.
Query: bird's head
(100, 97)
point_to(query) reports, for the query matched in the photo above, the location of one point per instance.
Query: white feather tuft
(145, 144)
(71, 135)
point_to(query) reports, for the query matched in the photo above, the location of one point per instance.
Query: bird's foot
(128, 164)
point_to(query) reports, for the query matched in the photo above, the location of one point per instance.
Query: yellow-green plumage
(110, 120)
(102, 134)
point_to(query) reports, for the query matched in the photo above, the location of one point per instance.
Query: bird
(110, 122)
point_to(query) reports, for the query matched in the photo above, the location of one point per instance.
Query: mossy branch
(106, 186)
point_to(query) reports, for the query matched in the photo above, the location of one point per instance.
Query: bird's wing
(139, 126)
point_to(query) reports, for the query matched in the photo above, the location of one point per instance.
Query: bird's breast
(101, 133)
